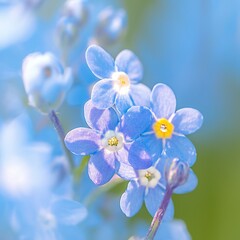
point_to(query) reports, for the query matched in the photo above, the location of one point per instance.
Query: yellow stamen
(148, 175)
(163, 128)
(113, 141)
(123, 79)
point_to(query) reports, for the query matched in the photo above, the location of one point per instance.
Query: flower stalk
(157, 219)
(58, 127)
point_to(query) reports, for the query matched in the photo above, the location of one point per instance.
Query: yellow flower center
(113, 141)
(163, 128)
(123, 79)
(148, 175)
(122, 82)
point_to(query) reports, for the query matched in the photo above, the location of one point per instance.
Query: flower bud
(111, 26)
(176, 173)
(74, 17)
(45, 81)
(76, 9)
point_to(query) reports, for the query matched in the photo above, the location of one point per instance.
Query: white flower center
(121, 83)
(112, 141)
(149, 177)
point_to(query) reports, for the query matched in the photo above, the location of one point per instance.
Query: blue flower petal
(101, 120)
(132, 199)
(126, 171)
(69, 212)
(153, 200)
(187, 120)
(135, 121)
(100, 62)
(82, 141)
(126, 61)
(189, 186)
(103, 94)
(182, 148)
(140, 94)
(173, 230)
(163, 101)
(101, 167)
(154, 145)
(123, 103)
(139, 156)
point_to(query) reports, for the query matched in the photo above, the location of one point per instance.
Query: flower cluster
(135, 133)
(126, 145)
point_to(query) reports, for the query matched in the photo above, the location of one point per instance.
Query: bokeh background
(194, 47)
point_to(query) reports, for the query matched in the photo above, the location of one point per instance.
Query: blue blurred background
(193, 46)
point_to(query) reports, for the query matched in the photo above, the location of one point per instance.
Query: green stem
(57, 125)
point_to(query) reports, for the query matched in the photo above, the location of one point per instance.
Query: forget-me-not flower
(168, 130)
(49, 219)
(119, 84)
(146, 185)
(110, 140)
(45, 81)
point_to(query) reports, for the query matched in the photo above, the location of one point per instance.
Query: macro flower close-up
(119, 120)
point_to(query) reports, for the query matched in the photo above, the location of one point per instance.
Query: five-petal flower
(120, 79)
(111, 140)
(166, 136)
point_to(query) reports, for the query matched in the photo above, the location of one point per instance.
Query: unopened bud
(176, 173)
(45, 81)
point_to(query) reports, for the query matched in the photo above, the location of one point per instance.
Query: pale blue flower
(120, 79)
(110, 140)
(167, 133)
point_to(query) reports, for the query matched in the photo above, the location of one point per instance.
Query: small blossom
(110, 140)
(120, 79)
(168, 130)
(147, 185)
(45, 81)
(52, 219)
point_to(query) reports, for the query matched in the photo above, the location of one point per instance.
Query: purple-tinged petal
(100, 62)
(189, 186)
(123, 103)
(82, 141)
(153, 200)
(99, 119)
(187, 120)
(101, 167)
(122, 154)
(163, 101)
(69, 212)
(103, 94)
(126, 171)
(132, 199)
(135, 121)
(181, 147)
(154, 145)
(139, 156)
(140, 94)
(126, 61)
